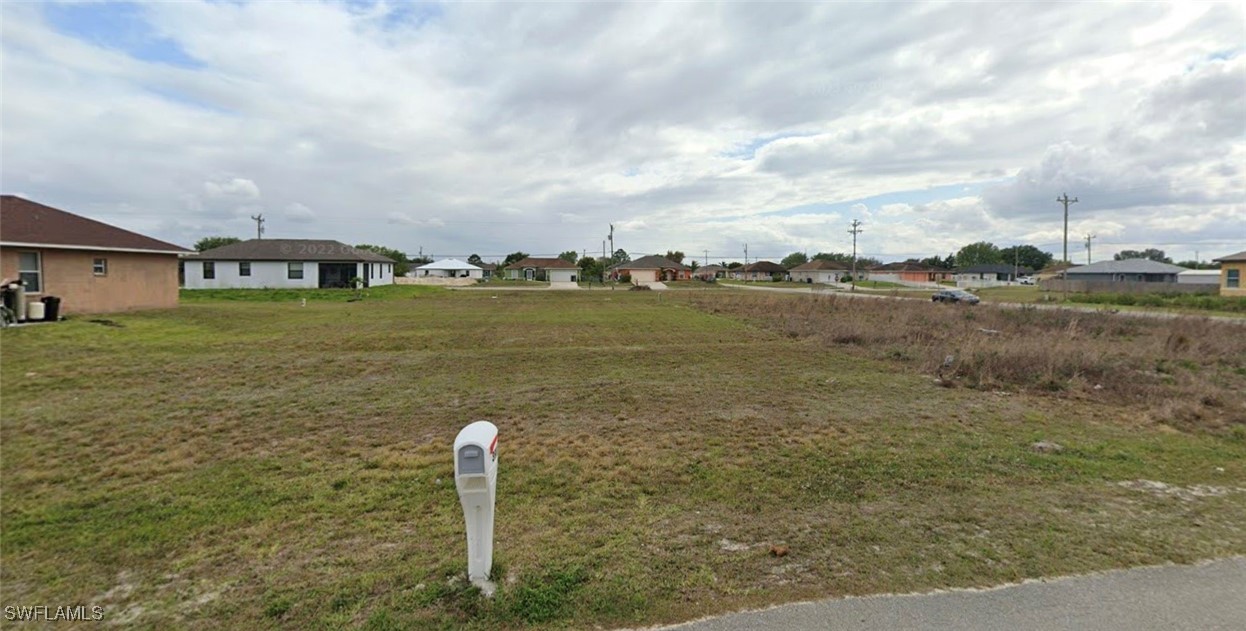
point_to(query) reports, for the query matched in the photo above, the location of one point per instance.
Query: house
(487, 270)
(91, 266)
(1128, 270)
(761, 270)
(552, 270)
(1199, 277)
(1232, 269)
(819, 271)
(1054, 270)
(908, 272)
(448, 268)
(990, 275)
(706, 272)
(651, 269)
(286, 263)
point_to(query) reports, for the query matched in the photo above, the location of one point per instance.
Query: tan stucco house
(91, 266)
(1232, 271)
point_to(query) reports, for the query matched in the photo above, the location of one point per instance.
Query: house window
(209, 270)
(100, 267)
(244, 268)
(1233, 279)
(294, 271)
(30, 270)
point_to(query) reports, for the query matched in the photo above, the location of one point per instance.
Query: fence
(1123, 287)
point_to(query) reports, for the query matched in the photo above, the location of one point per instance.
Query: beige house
(1232, 269)
(91, 266)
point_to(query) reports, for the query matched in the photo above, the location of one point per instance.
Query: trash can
(51, 308)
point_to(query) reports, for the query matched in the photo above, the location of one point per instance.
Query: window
(209, 270)
(1233, 278)
(30, 270)
(100, 267)
(244, 268)
(294, 271)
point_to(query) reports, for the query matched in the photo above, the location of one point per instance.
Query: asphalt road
(1210, 595)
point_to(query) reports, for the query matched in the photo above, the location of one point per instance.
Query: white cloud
(299, 212)
(237, 188)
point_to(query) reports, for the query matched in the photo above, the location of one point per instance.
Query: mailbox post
(476, 478)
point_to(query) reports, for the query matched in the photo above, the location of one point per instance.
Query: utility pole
(1016, 262)
(612, 240)
(1066, 201)
(1088, 238)
(856, 229)
(259, 225)
(744, 270)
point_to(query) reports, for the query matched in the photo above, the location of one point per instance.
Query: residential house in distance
(448, 268)
(761, 270)
(706, 272)
(990, 275)
(553, 270)
(1199, 277)
(91, 266)
(1128, 270)
(1232, 269)
(487, 270)
(819, 271)
(286, 263)
(908, 272)
(651, 269)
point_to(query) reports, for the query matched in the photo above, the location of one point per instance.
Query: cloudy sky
(489, 128)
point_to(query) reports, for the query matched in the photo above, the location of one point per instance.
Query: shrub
(625, 278)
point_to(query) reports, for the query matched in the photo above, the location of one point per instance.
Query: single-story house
(91, 266)
(710, 271)
(487, 270)
(552, 270)
(286, 263)
(819, 271)
(908, 272)
(761, 270)
(989, 274)
(448, 268)
(1128, 270)
(650, 269)
(1199, 277)
(1054, 270)
(1232, 269)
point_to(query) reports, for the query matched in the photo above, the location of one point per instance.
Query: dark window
(244, 268)
(100, 267)
(294, 271)
(1233, 278)
(29, 269)
(209, 270)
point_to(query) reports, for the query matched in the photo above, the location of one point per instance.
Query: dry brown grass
(1185, 369)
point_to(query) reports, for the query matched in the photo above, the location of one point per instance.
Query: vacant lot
(246, 463)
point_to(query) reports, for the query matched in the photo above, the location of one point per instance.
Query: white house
(448, 268)
(286, 263)
(1199, 277)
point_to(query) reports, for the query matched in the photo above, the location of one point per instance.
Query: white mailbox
(476, 477)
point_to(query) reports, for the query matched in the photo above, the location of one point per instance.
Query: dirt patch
(1185, 493)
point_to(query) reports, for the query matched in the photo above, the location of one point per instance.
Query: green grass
(880, 284)
(248, 462)
(383, 292)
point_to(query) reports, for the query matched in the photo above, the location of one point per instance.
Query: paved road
(1211, 595)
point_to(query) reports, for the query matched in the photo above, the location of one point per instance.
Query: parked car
(1026, 280)
(955, 295)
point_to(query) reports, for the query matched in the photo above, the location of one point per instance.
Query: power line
(1066, 201)
(856, 229)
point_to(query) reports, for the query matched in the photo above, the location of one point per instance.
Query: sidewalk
(1210, 595)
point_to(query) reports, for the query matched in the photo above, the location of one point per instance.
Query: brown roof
(487, 266)
(554, 263)
(25, 222)
(1240, 256)
(819, 264)
(764, 267)
(906, 267)
(291, 250)
(653, 261)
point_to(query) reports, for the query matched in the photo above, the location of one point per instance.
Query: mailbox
(476, 478)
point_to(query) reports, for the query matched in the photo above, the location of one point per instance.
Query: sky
(453, 129)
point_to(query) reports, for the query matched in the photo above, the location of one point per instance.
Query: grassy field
(248, 462)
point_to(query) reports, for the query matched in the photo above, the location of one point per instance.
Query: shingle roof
(904, 267)
(291, 250)
(554, 263)
(25, 222)
(763, 267)
(994, 268)
(713, 267)
(1127, 266)
(653, 261)
(819, 264)
(1240, 256)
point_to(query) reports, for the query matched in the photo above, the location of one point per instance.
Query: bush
(625, 278)
(639, 288)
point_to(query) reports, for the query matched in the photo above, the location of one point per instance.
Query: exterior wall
(1096, 287)
(133, 280)
(1225, 290)
(264, 274)
(1129, 278)
(380, 273)
(1199, 277)
(824, 276)
(885, 277)
(641, 275)
(448, 273)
